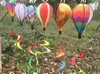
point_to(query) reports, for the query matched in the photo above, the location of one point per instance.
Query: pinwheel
(44, 12)
(20, 12)
(62, 14)
(74, 61)
(11, 8)
(82, 15)
(62, 66)
(31, 15)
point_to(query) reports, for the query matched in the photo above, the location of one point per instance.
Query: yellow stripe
(48, 14)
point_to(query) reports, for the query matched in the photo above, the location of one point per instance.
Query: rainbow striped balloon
(11, 8)
(82, 15)
(63, 13)
(44, 12)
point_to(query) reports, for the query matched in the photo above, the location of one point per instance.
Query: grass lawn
(89, 44)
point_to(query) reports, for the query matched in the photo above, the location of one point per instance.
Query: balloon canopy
(30, 13)
(20, 11)
(82, 15)
(62, 14)
(44, 12)
(11, 8)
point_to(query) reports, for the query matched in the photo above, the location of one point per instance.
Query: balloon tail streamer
(4, 16)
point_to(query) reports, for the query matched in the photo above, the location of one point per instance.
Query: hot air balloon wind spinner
(81, 16)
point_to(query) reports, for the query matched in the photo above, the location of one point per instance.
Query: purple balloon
(20, 11)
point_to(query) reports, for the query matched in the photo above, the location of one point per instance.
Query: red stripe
(44, 13)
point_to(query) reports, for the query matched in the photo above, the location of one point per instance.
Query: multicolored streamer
(74, 61)
(60, 54)
(19, 40)
(38, 52)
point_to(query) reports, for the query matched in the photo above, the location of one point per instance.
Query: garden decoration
(44, 12)
(19, 40)
(74, 61)
(18, 44)
(38, 52)
(60, 54)
(20, 12)
(31, 15)
(12, 33)
(62, 66)
(82, 15)
(11, 8)
(46, 43)
(62, 14)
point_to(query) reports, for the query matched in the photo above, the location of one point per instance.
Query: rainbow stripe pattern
(11, 8)
(82, 15)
